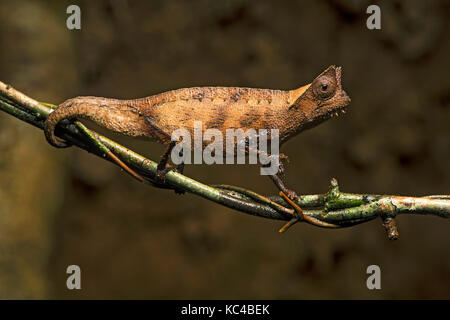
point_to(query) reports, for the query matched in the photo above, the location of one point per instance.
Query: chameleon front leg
(289, 195)
(279, 177)
(160, 174)
(279, 182)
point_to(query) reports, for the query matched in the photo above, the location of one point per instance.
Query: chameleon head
(326, 96)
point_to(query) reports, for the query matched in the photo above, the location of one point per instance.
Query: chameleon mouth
(340, 105)
(337, 111)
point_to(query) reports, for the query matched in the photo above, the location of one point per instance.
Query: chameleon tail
(62, 112)
(113, 114)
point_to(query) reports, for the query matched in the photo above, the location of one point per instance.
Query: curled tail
(64, 111)
(121, 116)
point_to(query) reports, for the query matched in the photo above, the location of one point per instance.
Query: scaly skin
(157, 116)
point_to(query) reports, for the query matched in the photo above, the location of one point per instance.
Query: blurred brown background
(62, 207)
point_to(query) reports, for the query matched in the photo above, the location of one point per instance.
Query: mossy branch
(333, 209)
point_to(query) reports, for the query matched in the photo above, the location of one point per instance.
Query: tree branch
(333, 209)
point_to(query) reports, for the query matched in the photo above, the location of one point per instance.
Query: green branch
(334, 209)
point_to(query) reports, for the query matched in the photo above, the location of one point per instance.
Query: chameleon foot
(278, 180)
(291, 194)
(160, 177)
(289, 199)
(164, 167)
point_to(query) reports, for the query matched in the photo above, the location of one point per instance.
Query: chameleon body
(156, 117)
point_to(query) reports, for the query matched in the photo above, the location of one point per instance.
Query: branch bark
(333, 209)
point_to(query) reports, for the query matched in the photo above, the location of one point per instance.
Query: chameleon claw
(160, 176)
(292, 195)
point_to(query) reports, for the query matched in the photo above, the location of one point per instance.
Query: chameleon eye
(324, 87)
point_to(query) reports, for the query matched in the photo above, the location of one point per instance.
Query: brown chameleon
(156, 117)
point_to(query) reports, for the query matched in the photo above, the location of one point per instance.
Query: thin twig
(333, 209)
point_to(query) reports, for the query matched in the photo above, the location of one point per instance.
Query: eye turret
(324, 87)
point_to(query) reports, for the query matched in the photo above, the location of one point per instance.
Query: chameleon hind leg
(164, 167)
(160, 174)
